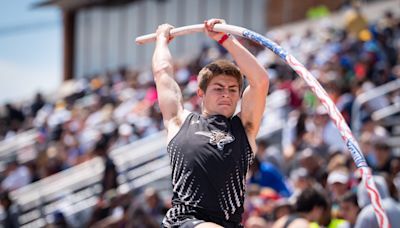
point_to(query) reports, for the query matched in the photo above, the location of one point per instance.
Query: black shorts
(191, 223)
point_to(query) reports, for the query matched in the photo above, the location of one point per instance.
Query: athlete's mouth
(224, 102)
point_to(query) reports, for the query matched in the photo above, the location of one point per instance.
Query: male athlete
(210, 152)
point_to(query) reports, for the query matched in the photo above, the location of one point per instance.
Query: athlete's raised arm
(254, 96)
(169, 94)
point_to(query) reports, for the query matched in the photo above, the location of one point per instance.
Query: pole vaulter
(315, 86)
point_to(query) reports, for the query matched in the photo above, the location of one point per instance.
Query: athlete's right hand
(163, 32)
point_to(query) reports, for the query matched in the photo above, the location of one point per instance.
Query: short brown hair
(216, 68)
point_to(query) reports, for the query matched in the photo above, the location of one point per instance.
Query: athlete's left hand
(209, 26)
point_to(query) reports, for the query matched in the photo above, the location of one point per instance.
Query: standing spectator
(293, 134)
(14, 119)
(109, 180)
(355, 21)
(37, 104)
(10, 209)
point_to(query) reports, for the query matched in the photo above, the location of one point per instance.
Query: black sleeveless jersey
(210, 157)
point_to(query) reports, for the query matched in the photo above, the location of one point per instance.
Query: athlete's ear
(200, 92)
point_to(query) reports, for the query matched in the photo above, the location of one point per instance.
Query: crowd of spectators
(308, 178)
(312, 179)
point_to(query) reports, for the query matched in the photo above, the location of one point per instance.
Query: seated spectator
(309, 207)
(138, 218)
(282, 207)
(328, 220)
(300, 180)
(383, 156)
(16, 176)
(338, 183)
(349, 208)
(154, 206)
(260, 203)
(256, 222)
(269, 153)
(58, 221)
(267, 175)
(101, 211)
(323, 131)
(367, 216)
(109, 212)
(313, 163)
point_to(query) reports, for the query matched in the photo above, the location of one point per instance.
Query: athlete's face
(221, 96)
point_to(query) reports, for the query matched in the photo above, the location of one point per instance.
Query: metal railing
(20, 147)
(72, 186)
(367, 96)
(386, 112)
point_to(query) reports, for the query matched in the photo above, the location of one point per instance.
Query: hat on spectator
(299, 173)
(125, 129)
(283, 202)
(365, 35)
(338, 177)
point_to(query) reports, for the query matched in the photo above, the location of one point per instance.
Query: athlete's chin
(226, 112)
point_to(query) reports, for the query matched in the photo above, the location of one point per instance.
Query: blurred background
(30, 49)
(81, 134)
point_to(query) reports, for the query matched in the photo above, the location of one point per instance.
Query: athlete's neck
(207, 115)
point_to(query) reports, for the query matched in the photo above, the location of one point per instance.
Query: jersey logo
(218, 138)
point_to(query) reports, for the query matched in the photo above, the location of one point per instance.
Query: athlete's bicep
(252, 108)
(169, 97)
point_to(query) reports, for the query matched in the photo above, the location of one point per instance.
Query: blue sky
(30, 49)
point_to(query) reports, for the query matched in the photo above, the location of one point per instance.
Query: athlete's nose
(225, 93)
